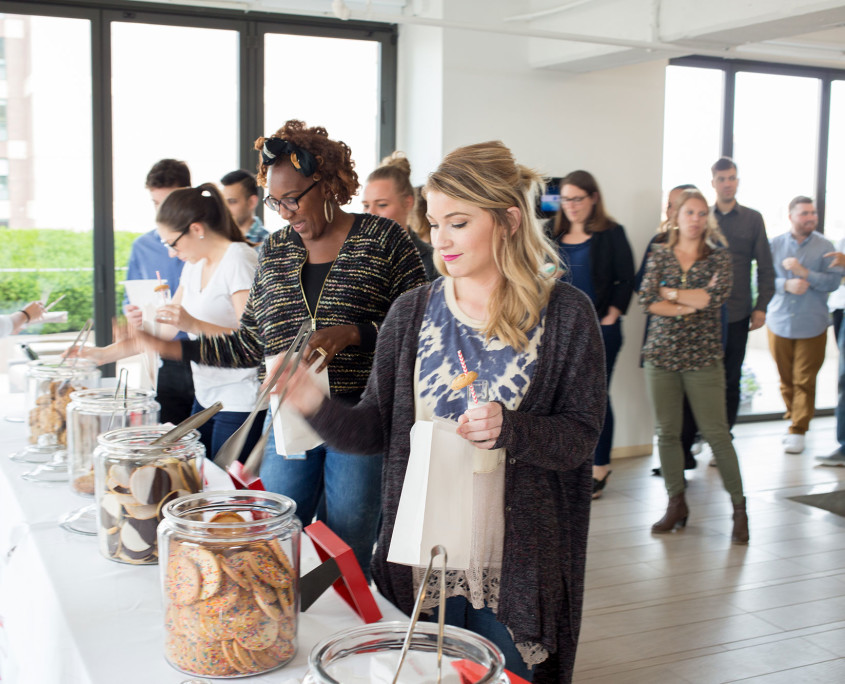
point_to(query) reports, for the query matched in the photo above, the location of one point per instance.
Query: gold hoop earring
(328, 210)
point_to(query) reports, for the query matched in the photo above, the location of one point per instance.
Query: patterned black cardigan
(376, 264)
(549, 443)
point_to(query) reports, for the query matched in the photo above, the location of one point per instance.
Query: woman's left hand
(327, 343)
(175, 315)
(481, 426)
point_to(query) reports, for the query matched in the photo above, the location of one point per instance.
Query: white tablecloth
(70, 616)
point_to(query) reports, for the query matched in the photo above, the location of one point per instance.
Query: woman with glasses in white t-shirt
(196, 226)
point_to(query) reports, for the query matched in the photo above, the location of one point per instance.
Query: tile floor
(689, 606)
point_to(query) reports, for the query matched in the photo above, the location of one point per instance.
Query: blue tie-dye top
(445, 330)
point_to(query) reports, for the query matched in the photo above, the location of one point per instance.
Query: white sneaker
(793, 444)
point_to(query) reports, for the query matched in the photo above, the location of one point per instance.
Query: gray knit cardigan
(548, 471)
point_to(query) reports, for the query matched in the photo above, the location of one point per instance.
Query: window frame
(251, 27)
(731, 67)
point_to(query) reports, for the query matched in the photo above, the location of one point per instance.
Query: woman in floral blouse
(685, 282)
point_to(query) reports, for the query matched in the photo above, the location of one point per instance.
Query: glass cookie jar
(49, 386)
(370, 655)
(96, 411)
(230, 582)
(133, 480)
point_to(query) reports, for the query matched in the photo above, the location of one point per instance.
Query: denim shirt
(797, 317)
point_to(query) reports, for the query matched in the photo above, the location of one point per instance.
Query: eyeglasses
(172, 245)
(573, 200)
(289, 203)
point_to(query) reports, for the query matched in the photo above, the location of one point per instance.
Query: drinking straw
(466, 372)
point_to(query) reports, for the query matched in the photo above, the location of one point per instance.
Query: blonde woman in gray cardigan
(537, 342)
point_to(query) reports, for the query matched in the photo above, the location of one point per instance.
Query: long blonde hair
(712, 237)
(487, 176)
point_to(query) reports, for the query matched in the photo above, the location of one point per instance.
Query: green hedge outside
(57, 262)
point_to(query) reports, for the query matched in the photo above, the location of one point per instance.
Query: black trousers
(175, 390)
(734, 356)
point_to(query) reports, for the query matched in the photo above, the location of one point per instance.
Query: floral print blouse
(694, 341)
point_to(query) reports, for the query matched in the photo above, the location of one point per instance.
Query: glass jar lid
(136, 442)
(326, 658)
(104, 401)
(260, 512)
(55, 369)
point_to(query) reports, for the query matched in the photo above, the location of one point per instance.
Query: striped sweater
(376, 264)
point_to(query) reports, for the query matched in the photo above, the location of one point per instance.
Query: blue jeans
(460, 613)
(612, 337)
(343, 489)
(223, 425)
(840, 405)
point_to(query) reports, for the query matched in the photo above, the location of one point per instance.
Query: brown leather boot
(740, 531)
(676, 514)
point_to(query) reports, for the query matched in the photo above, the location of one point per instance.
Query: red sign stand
(243, 480)
(352, 585)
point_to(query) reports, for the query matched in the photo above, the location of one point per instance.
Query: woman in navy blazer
(599, 262)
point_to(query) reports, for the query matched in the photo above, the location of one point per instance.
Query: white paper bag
(142, 293)
(436, 502)
(293, 435)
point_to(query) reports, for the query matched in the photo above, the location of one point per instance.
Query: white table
(70, 616)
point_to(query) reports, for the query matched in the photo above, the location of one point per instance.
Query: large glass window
(179, 102)
(834, 219)
(692, 132)
(774, 123)
(4, 131)
(47, 248)
(776, 134)
(174, 86)
(347, 107)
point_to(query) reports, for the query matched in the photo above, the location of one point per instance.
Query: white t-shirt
(237, 388)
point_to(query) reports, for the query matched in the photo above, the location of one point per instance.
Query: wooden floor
(689, 606)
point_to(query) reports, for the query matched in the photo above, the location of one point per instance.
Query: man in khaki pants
(797, 316)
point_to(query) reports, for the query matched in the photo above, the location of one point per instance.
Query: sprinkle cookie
(183, 581)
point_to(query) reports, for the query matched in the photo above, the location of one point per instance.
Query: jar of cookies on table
(133, 480)
(95, 411)
(50, 382)
(230, 582)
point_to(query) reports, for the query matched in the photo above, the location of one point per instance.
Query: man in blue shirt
(149, 258)
(797, 315)
(241, 194)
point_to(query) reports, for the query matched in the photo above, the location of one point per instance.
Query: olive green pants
(705, 390)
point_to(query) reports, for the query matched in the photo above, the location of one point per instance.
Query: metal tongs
(441, 616)
(187, 425)
(232, 447)
(83, 335)
(122, 383)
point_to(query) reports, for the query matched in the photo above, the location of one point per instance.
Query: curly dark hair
(336, 168)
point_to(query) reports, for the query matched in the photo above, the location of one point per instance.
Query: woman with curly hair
(389, 193)
(686, 281)
(537, 343)
(342, 271)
